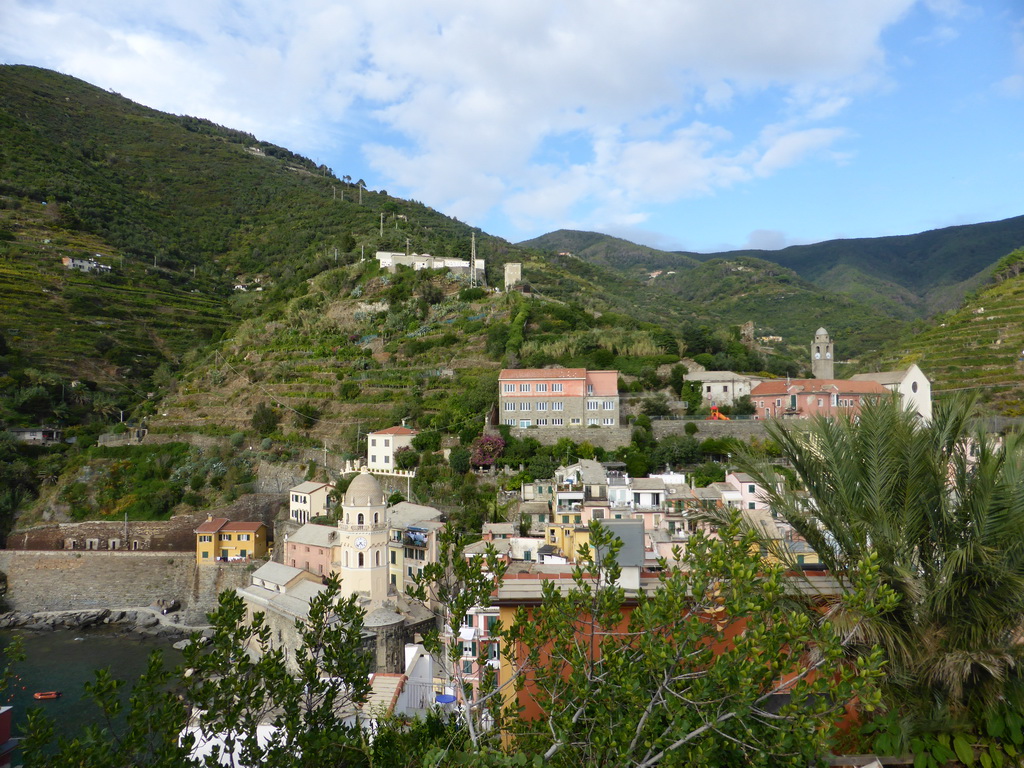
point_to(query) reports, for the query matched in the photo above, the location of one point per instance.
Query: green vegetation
(941, 509)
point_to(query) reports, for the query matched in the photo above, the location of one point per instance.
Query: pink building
(558, 397)
(804, 398)
(311, 548)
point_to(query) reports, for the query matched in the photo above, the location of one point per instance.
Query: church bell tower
(822, 356)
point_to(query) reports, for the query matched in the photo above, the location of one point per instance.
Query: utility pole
(382, 224)
(472, 261)
(407, 246)
(335, 255)
(334, 191)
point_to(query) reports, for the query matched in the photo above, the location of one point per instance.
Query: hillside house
(804, 398)
(558, 397)
(222, 539)
(37, 435)
(382, 446)
(85, 265)
(723, 387)
(391, 260)
(308, 500)
(910, 383)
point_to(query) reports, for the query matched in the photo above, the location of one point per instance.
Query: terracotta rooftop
(827, 386)
(395, 431)
(542, 373)
(223, 524)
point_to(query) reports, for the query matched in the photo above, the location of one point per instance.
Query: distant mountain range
(905, 276)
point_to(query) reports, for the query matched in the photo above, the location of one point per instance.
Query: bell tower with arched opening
(361, 556)
(822, 355)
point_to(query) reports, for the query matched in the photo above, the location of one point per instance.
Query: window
(373, 459)
(394, 580)
(592, 422)
(467, 667)
(544, 387)
(206, 538)
(574, 421)
(524, 406)
(590, 389)
(592, 405)
(376, 517)
(556, 422)
(225, 537)
(608, 421)
(578, 519)
(778, 403)
(725, 388)
(392, 557)
(524, 423)
(556, 387)
(510, 422)
(750, 505)
(510, 406)
(608, 405)
(360, 519)
(542, 422)
(508, 387)
(206, 555)
(489, 622)
(542, 406)
(409, 571)
(373, 441)
(565, 519)
(243, 537)
(376, 558)
(527, 555)
(751, 488)
(557, 405)
(387, 442)
(524, 387)
(708, 389)
(387, 459)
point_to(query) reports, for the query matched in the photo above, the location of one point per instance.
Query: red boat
(47, 695)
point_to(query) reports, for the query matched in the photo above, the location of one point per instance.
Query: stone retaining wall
(706, 428)
(174, 535)
(78, 581)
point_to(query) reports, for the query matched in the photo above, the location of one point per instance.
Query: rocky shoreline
(134, 623)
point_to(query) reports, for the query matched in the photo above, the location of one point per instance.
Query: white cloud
(459, 104)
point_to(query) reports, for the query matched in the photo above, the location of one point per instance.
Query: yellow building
(222, 539)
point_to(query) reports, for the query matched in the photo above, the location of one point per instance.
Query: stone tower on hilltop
(822, 356)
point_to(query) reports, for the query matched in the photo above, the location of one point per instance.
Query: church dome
(364, 491)
(821, 332)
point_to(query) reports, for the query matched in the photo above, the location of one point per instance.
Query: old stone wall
(77, 581)
(743, 430)
(174, 535)
(608, 438)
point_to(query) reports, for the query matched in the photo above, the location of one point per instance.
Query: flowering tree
(485, 450)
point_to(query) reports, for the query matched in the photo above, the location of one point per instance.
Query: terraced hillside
(347, 354)
(981, 345)
(104, 327)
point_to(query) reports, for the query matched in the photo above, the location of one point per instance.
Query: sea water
(65, 660)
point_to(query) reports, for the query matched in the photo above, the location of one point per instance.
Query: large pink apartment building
(558, 397)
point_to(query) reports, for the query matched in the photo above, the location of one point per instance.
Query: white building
(912, 385)
(382, 446)
(723, 387)
(308, 500)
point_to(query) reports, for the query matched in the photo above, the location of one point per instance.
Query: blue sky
(681, 124)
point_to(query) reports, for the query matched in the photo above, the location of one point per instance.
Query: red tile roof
(840, 386)
(218, 524)
(395, 431)
(542, 373)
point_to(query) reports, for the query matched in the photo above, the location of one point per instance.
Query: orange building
(222, 539)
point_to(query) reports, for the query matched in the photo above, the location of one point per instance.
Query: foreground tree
(942, 510)
(721, 664)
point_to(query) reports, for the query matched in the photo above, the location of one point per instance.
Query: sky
(699, 125)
